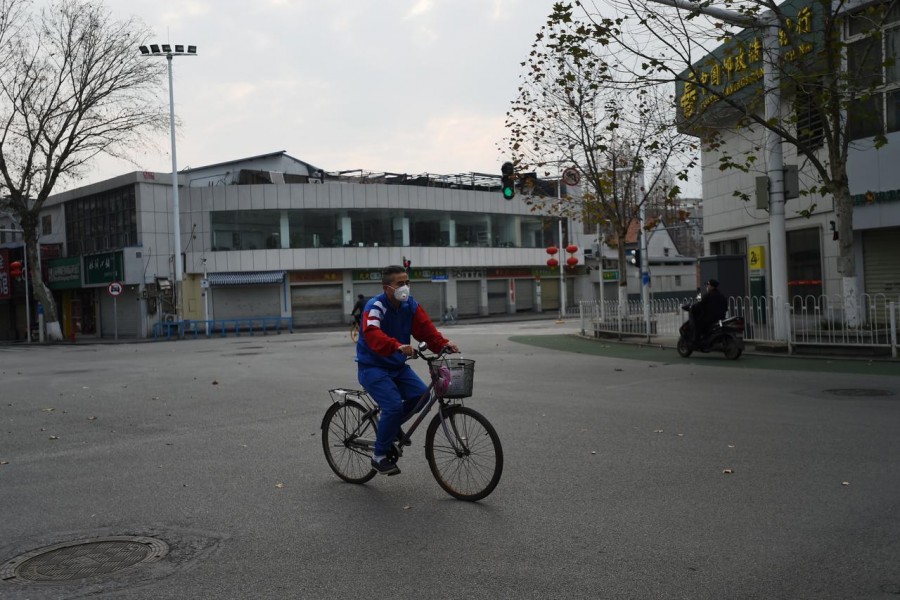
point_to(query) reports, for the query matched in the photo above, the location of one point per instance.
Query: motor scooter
(726, 335)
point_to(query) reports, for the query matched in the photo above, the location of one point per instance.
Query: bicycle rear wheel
(354, 332)
(343, 424)
(468, 464)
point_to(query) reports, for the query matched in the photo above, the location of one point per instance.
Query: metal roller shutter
(366, 289)
(317, 305)
(549, 294)
(468, 295)
(524, 294)
(497, 293)
(127, 316)
(246, 301)
(882, 269)
(430, 296)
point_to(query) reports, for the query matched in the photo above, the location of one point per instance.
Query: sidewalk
(570, 325)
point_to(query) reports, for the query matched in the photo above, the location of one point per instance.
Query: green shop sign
(100, 269)
(611, 275)
(64, 273)
(884, 197)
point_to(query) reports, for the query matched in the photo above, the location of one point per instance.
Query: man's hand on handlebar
(450, 348)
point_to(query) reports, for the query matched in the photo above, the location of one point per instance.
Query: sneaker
(385, 466)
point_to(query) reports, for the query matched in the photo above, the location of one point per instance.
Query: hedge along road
(783, 362)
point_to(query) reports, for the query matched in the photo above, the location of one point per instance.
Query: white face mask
(401, 293)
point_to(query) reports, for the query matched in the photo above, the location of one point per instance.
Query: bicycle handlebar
(421, 352)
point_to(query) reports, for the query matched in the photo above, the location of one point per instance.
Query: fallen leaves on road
(279, 485)
(845, 483)
(215, 382)
(728, 471)
(54, 437)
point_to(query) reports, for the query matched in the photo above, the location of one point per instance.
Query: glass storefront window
(321, 228)
(105, 221)
(804, 265)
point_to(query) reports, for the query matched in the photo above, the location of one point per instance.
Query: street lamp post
(775, 159)
(169, 52)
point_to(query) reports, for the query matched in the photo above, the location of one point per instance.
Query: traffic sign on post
(571, 176)
(114, 289)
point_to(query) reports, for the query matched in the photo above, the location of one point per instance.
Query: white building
(736, 226)
(273, 241)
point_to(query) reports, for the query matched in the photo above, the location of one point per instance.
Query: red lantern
(552, 262)
(571, 261)
(571, 248)
(15, 269)
(552, 250)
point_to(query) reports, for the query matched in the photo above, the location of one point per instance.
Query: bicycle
(462, 447)
(450, 317)
(354, 330)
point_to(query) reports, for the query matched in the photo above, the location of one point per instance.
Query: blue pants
(396, 392)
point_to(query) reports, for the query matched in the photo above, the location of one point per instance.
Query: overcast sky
(409, 86)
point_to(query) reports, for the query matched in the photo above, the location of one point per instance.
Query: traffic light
(15, 269)
(508, 181)
(636, 257)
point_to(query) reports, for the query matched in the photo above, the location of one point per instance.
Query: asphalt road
(627, 475)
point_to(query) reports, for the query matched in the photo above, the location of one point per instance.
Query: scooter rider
(712, 307)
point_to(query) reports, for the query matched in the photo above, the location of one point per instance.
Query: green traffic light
(508, 192)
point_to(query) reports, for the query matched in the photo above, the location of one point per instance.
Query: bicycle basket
(462, 377)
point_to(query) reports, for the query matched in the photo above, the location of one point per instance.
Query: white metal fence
(811, 320)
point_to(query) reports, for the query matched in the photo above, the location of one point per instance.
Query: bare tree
(833, 84)
(72, 87)
(573, 110)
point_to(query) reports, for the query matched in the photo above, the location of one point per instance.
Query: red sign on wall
(5, 289)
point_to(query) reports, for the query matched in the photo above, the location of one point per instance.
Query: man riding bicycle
(389, 321)
(358, 308)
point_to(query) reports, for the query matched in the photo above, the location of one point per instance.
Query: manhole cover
(859, 392)
(81, 559)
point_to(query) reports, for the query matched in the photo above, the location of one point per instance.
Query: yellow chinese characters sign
(756, 258)
(738, 63)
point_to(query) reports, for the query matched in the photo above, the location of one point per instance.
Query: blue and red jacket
(385, 329)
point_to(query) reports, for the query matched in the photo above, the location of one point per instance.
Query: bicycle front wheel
(465, 455)
(344, 424)
(354, 333)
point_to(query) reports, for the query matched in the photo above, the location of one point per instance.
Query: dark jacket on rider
(712, 307)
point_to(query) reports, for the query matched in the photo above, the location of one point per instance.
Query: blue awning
(251, 278)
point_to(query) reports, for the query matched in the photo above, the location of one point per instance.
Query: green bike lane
(579, 345)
